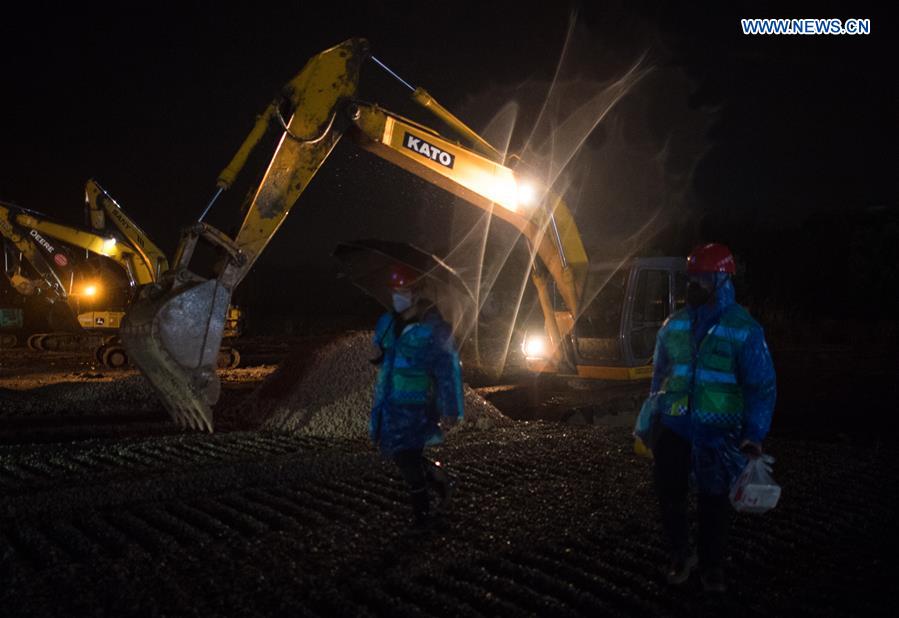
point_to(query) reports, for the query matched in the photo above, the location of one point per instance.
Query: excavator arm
(150, 262)
(38, 241)
(12, 234)
(174, 332)
(138, 271)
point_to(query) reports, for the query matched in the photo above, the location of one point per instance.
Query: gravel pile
(132, 394)
(103, 393)
(325, 390)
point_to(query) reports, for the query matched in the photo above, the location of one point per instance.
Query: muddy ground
(108, 509)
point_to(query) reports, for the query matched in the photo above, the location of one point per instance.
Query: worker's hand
(751, 449)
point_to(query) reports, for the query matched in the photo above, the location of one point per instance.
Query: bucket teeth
(192, 417)
(185, 404)
(174, 341)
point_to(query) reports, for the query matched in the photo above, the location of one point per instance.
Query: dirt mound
(325, 390)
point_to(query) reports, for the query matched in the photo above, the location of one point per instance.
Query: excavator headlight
(527, 194)
(514, 194)
(109, 245)
(534, 346)
(505, 192)
(90, 290)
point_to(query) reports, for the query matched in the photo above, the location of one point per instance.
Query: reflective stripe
(719, 377)
(729, 332)
(681, 371)
(702, 379)
(728, 418)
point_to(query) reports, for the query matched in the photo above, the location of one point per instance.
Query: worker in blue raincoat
(419, 384)
(712, 395)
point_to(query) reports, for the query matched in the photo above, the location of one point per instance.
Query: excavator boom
(25, 244)
(100, 207)
(173, 335)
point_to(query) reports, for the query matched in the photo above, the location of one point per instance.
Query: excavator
(173, 331)
(88, 277)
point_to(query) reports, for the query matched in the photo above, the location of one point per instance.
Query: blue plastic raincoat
(419, 382)
(716, 456)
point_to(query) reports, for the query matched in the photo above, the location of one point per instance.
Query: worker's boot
(714, 521)
(440, 482)
(680, 568)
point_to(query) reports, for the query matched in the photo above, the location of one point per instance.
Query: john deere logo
(430, 151)
(42, 241)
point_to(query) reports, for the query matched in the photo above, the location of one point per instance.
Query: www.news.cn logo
(806, 26)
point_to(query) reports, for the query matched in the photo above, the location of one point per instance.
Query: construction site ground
(107, 508)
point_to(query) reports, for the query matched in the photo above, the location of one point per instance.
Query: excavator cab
(625, 304)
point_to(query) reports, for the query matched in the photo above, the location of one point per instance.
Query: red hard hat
(711, 258)
(402, 276)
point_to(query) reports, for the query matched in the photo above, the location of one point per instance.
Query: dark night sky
(153, 101)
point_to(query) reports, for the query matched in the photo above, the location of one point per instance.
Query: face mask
(401, 301)
(697, 295)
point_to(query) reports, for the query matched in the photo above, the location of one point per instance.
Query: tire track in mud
(378, 602)
(36, 550)
(154, 529)
(286, 505)
(44, 470)
(624, 577)
(596, 586)
(109, 539)
(519, 586)
(329, 601)
(375, 492)
(331, 504)
(271, 519)
(428, 598)
(13, 477)
(543, 581)
(276, 501)
(472, 594)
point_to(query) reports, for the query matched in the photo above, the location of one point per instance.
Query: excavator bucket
(175, 339)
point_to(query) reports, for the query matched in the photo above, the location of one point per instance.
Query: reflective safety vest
(704, 381)
(410, 381)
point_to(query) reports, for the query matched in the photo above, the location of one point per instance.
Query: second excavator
(87, 277)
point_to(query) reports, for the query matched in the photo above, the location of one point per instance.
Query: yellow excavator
(173, 332)
(92, 274)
